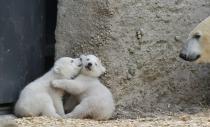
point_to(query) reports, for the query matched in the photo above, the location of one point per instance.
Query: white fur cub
(39, 98)
(95, 99)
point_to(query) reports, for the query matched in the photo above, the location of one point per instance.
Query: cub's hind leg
(80, 111)
(49, 109)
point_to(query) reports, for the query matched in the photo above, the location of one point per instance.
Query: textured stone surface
(139, 42)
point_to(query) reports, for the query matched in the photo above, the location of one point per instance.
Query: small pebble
(177, 38)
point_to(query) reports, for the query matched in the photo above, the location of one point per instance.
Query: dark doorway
(51, 18)
(26, 44)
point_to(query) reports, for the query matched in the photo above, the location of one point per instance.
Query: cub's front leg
(58, 102)
(71, 86)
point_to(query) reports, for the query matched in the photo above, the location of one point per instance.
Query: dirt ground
(178, 120)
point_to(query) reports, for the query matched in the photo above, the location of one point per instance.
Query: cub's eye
(72, 61)
(96, 64)
(88, 59)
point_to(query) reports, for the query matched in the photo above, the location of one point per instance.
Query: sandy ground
(197, 120)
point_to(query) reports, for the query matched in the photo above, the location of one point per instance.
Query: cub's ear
(103, 69)
(57, 69)
(82, 56)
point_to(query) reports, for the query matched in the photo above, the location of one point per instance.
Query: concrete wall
(138, 42)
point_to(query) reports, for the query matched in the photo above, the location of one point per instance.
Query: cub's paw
(66, 116)
(55, 83)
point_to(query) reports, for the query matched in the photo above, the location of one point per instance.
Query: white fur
(96, 100)
(192, 47)
(39, 98)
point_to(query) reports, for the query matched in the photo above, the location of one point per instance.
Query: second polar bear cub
(95, 100)
(39, 98)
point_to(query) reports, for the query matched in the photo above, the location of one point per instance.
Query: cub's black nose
(89, 64)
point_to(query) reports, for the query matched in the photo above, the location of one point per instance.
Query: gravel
(181, 120)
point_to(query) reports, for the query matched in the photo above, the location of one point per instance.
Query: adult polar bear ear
(92, 66)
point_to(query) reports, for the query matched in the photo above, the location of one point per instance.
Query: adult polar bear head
(67, 67)
(92, 66)
(197, 46)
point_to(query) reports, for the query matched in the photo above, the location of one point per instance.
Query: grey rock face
(138, 42)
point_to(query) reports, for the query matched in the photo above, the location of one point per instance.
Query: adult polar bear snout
(92, 66)
(191, 50)
(197, 46)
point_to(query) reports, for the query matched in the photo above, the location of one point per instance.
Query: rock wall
(139, 42)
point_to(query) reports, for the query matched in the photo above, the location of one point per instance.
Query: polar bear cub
(95, 99)
(39, 98)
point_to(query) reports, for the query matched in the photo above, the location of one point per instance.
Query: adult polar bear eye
(96, 64)
(72, 61)
(197, 36)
